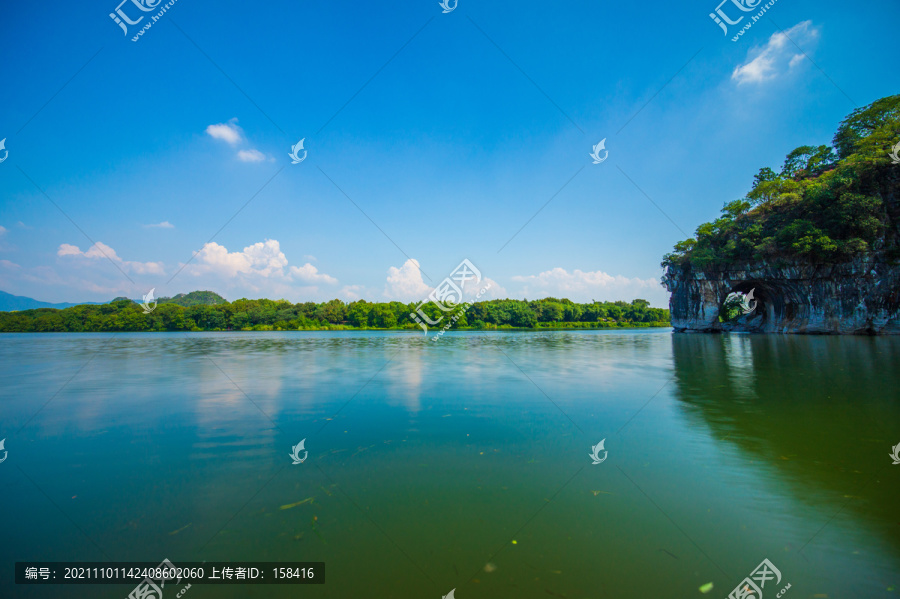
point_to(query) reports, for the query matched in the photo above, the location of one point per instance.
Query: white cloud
(100, 251)
(580, 286)
(352, 292)
(2, 230)
(311, 274)
(405, 283)
(777, 56)
(263, 259)
(493, 291)
(228, 132)
(163, 225)
(8, 264)
(67, 249)
(232, 134)
(22, 225)
(251, 155)
(261, 268)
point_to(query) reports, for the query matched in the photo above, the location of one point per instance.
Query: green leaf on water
(706, 587)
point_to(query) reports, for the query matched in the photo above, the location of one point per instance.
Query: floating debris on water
(489, 567)
(706, 587)
(290, 505)
(175, 532)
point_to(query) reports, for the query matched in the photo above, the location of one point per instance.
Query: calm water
(427, 460)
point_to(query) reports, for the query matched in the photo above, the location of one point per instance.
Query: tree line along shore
(207, 311)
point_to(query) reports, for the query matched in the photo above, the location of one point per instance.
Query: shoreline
(348, 329)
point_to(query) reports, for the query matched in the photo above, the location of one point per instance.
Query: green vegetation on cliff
(281, 315)
(826, 204)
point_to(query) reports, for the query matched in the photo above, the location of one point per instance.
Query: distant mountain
(195, 298)
(9, 303)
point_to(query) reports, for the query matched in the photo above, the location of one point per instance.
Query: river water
(458, 464)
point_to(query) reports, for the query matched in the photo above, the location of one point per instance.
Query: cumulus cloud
(228, 132)
(260, 268)
(264, 259)
(100, 251)
(778, 56)
(163, 225)
(311, 274)
(405, 283)
(583, 286)
(251, 155)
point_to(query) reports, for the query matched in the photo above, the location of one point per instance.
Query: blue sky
(447, 132)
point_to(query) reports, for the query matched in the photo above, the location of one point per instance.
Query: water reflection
(167, 441)
(815, 416)
(405, 374)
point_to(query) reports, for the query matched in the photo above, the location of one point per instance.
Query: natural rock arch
(861, 296)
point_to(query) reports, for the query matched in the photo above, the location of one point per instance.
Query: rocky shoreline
(861, 296)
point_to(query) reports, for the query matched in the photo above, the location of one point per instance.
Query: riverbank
(124, 315)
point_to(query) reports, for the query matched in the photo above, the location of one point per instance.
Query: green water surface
(458, 464)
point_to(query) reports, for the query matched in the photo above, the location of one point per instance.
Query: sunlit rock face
(857, 297)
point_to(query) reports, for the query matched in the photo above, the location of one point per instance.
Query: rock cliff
(861, 296)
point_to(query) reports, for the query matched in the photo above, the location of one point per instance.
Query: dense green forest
(207, 311)
(825, 204)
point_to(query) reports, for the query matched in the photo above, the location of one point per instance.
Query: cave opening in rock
(745, 304)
